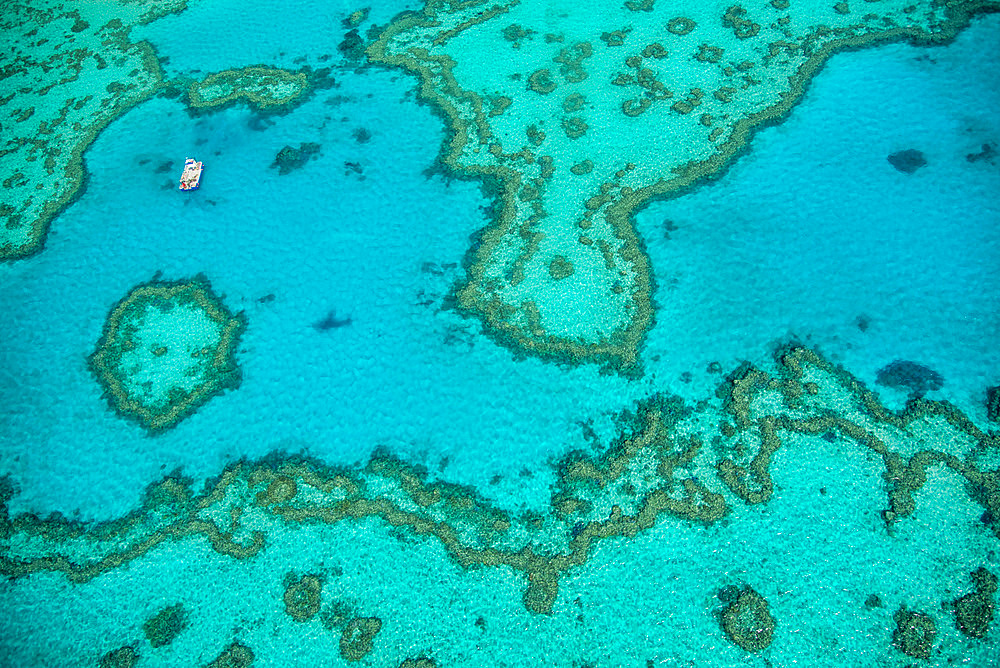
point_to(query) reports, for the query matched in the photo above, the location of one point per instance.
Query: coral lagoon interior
(500, 333)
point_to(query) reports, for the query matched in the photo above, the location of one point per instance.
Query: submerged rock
(290, 158)
(905, 375)
(748, 621)
(908, 161)
(993, 403)
(915, 633)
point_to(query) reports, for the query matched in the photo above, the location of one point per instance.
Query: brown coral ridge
(654, 437)
(903, 476)
(273, 487)
(974, 611)
(169, 511)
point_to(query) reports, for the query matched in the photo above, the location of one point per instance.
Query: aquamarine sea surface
(809, 233)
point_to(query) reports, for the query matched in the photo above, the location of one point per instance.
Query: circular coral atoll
(166, 349)
(747, 620)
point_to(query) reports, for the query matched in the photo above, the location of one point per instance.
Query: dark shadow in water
(906, 375)
(331, 321)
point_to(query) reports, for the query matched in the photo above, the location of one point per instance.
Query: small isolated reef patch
(358, 638)
(291, 158)
(164, 626)
(302, 596)
(263, 88)
(974, 611)
(747, 619)
(123, 657)
(236, 655)
(915, 633)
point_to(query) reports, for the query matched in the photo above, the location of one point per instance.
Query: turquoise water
(809, 231)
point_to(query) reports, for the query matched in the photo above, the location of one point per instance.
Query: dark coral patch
(290, 158)
(974, 611)
(747, 620)
(236, 655)
(915, 633)
(302, 597)
(358, 638)
(123, 657)
(993, 403)
(164, 626)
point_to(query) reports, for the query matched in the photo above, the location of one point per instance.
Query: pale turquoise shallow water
(809, 230)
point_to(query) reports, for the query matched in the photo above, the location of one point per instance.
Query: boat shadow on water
(332, 321)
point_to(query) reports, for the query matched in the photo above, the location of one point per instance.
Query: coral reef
(302, 597)
(167, 624)
(974, 611)
(166, 349)
(751, 68)
(123, 657)
(69, 72)
(263, 88)
(660, 463)
(358, 637)
(747, 620)
(914, 634)
(236, 655)
(290, 158)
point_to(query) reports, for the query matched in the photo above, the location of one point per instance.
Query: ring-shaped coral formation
(166, 349)
(263, 88)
